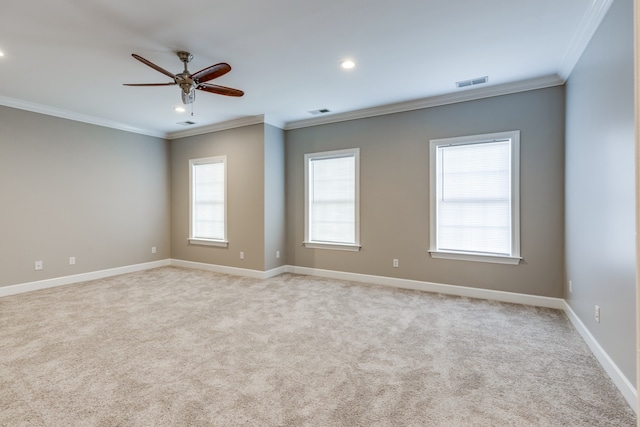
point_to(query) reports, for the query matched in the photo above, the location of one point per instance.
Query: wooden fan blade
(152, 65)
(212, 72)
(220, 90)
(149, 84)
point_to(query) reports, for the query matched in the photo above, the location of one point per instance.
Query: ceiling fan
(188, 82)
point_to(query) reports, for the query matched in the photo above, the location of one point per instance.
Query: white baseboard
(77, 278)
(619, 379)
(256, 274)
(95, 275)
(275, 272)
(463, 291)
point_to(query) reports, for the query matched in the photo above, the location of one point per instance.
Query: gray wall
(74, 189)
(600, 187)
(394, 201)
(274, 198)
(244, 148)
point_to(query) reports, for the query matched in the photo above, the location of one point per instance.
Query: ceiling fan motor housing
(185, 81)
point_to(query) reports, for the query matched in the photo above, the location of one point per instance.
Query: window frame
(515, 255)
(223, 242)
(308, 158)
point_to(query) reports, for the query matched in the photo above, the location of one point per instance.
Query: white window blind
(332, 198)
(476, 196)
(208, 190)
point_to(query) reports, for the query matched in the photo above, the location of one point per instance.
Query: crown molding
(434, 101)
(586, 29)
(216, 127)
(69, 115)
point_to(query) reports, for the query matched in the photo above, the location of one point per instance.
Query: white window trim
(331, 245)
(515, 257)
(208, 242)
(334, 246)
(198, 240)
(468, 256)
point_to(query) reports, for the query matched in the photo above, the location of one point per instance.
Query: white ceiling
(70, 57)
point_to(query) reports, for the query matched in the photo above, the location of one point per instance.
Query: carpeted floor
(178, 347)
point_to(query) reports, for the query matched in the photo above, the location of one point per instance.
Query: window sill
(209, 242)
(334, 246)
(464, 256)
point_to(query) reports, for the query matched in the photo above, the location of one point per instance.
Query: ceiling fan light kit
(189, 82)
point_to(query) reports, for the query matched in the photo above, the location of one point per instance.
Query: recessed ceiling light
(347, 64)
(180, 109)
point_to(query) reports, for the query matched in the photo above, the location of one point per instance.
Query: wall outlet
(277, 254)
(153, 249)
(395, 263)
(72, 260)
(597, 313)
(39, 265)
(570, 286)
(241, 255)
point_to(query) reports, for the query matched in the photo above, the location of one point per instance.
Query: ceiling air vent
(320, 111)
(186, 123)
(472, 82)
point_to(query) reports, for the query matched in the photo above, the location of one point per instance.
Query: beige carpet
(177, 347)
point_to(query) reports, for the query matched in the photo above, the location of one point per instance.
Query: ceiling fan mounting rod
(184, 80)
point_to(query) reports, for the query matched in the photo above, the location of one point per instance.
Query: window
(475, 202)
(331, 200)
(208, 190)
